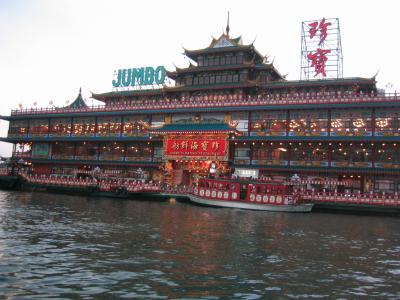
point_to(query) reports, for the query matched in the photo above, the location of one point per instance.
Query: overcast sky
(49, 49)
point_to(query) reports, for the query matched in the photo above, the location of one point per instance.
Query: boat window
(259, 189)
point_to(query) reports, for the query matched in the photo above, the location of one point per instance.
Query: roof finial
(80, 90)
(227, 26)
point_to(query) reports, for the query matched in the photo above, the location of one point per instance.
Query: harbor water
(71, 247)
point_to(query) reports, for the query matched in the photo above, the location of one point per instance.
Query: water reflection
(74, 247)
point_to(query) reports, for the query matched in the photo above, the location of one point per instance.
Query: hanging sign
(201, 149)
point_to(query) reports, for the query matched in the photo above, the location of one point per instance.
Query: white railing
(220, 101)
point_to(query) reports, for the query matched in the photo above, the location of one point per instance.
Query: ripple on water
(69, 247)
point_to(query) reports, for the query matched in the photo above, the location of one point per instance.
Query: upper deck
(220, 102)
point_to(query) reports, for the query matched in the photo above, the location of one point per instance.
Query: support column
(373, 155)
(248, 123)
(152, 151)
(329, 122)
(72, 127)
(125, 150)
(287, 122)
(251, 152)
(75, 150)
(48, 126)
(95, 126)
(122, 126)
(373, 123)
(28, 129)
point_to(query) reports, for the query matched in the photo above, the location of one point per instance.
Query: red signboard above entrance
(200, 149)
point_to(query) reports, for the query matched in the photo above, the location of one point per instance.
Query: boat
(247, 194)
(115, 188)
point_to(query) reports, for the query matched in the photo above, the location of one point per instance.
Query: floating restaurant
(230, 112)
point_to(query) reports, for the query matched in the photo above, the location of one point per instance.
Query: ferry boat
(244, 194)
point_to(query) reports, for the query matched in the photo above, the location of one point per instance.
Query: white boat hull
(253, 206)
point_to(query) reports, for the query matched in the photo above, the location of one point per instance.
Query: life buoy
(213, 194)
(219, 194)
(272, 199)
(195, 190)
(278, 199)
(207, 193)
(226, 195)
(234, 195)
(252, 197)
(258, 198)
(265, 198)
(201, 192)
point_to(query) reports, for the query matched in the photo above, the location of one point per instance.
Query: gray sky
(48, 49)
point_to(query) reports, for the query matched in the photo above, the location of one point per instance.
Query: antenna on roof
(227, 26)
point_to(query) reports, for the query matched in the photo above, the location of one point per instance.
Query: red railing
(345, 198)
(222, 101)
(107, 185)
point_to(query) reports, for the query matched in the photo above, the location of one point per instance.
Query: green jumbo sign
(139, 76)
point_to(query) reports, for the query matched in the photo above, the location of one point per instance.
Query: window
(309, 123)
(266, 123)
(84, 126)
(351, 154)
(269, 153)
(309, 153)
(18, 127)
(38, 127)
(387, 122)
(351, 123)
(112, 151)
(63, 150)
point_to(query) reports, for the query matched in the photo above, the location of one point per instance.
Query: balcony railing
(222, 101)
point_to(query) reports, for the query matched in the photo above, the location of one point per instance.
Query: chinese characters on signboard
(319, 57)
(195, 148)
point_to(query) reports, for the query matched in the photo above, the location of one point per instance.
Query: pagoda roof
(223, 44)
(195, 127)
(78, 102)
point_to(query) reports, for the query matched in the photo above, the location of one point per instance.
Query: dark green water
(57, 246)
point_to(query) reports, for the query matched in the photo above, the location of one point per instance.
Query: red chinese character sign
(321, 53)
(195, 148)
(321, 27)
(318, 60)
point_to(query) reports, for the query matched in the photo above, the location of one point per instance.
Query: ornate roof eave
(214, 68)
(319, 82)
(194, 53)
(105, 96)
(209, 87)
(171, 74)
